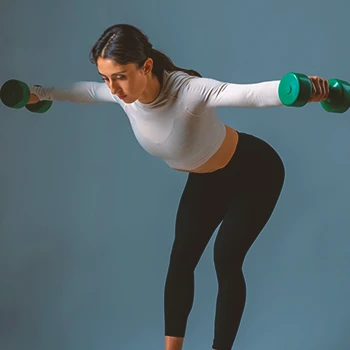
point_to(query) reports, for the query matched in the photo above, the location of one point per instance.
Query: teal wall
(87, 216)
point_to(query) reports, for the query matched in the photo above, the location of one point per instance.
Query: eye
(122, 77)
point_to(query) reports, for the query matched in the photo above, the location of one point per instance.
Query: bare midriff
(222, 156)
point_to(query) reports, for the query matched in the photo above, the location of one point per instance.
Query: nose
(115, 89)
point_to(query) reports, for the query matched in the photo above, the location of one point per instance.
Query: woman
(233, 178)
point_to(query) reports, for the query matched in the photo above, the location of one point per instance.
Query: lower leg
(178, 301)
(173, 343)
(229, 309)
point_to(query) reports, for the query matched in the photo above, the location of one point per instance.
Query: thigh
(246, 217)
(201, 209)
(251, 207)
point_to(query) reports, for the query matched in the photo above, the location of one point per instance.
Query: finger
(320, 88)
(327, 88)
(316, 89)
(312, 89)
(313, 85)
(324, 90)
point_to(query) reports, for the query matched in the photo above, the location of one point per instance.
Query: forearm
(80, 92)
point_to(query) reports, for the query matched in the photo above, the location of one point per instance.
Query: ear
(148, 66)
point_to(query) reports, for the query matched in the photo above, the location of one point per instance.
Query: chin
(130, 99)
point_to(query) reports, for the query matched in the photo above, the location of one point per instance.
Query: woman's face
(128, 81)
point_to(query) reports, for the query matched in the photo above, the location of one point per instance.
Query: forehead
(108, 67)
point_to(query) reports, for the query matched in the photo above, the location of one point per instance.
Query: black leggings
(241, 196)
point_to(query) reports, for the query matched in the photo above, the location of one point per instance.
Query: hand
(320, 89)
(33, 99)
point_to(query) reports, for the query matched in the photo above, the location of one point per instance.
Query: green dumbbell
(295, 89)
(338, 100)
(16, 94)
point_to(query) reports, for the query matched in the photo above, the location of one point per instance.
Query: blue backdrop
(87, 216)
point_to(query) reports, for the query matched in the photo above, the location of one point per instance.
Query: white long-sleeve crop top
(180, 125)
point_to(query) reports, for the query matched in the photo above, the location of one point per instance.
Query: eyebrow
(114, 73)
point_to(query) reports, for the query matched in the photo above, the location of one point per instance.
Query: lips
(121, 96)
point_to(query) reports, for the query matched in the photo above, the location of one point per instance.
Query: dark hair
(124, 44)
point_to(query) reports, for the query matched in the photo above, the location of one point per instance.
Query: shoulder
(190, 91)
(176, 80)
(182, 85)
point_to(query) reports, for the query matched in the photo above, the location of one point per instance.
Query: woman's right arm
(80, 92)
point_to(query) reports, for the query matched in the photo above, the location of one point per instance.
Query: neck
(152, 90)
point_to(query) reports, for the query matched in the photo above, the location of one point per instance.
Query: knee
(181, 261)
(228, 263)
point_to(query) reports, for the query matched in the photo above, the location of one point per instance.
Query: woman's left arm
(212, 93)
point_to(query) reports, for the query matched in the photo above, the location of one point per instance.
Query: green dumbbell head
(15, 94)
(295, 89)
(39, 107)
(338, 100)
